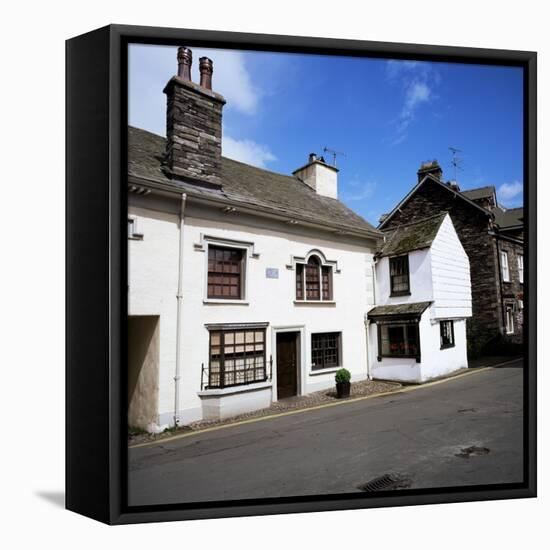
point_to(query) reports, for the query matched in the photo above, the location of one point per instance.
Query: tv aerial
(334, 154)
(455, 161)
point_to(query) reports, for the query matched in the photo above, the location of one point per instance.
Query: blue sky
(387, 117)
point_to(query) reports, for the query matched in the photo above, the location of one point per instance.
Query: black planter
(342, 389)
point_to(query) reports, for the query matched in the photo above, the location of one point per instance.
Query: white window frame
(505, 267)
(323, 262)
(509, 319)
(520, 268)
(247, 250)
(133, 233)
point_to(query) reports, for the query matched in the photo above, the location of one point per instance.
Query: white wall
(153, 283)
(434, 360)
(451, 274)
(153, 280)
(420, 274)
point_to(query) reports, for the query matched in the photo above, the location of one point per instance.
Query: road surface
(417, 435)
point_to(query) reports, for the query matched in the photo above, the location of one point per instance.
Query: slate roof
(411, 236)
(398, 310)
(509, 217)
(480, 192)
(248, 185)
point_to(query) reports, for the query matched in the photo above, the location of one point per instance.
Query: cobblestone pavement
(358, 389)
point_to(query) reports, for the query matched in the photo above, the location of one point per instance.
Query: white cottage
(244, 286)
(417, 331)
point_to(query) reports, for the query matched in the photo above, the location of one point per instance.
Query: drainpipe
(366, 320)
(179, 297)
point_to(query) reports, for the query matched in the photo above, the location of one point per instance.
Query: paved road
(334, 450)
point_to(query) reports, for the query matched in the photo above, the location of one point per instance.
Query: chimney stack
(206, 68)
(193, 124)
(320, 176)
(431, 167)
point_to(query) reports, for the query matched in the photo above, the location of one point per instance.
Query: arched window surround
(314, 277)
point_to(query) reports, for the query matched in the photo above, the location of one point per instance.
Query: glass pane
(259, 336)
(239, 337)
(215, 338)
(229, 337)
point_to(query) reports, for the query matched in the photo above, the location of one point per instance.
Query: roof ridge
(438, 215)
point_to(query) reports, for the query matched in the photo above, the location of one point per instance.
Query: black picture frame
(96, 118)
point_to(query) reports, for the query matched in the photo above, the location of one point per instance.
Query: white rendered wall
(153, 280)
(434, 360)
(153, 284)
(451, 274)
(420, 277)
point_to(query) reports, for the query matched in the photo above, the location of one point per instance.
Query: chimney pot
(185, 59)
(206, 68)
(312, 157)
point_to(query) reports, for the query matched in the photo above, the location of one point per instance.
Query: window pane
(224, 272)
(313, 283)
(399, 274)
(240, 360)
(325, 350)
(327, 282)
(299, 282)
(398, 340)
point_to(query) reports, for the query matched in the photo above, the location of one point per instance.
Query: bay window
(237, 356)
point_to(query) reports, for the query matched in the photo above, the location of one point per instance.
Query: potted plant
(343, 377)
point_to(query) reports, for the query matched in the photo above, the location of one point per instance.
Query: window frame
(223, 333)
(520, 268)
(245, 249)
(509, 318)
(324, 367)
(407, 324)
(452, 342)
(504, 266)
(133, 233)
(391, 261)
(325, 272)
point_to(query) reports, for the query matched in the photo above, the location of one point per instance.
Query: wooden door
(287, 364)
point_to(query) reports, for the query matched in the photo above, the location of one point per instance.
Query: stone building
(492, 237)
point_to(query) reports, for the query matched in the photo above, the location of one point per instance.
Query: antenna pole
(333, 153)
(455, 160)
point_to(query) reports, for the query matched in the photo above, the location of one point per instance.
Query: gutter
(179, 298)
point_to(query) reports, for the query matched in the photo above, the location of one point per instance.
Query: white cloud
(510, 193)
(247, 151)
(357, 191)
(231, 78)
(417, 79)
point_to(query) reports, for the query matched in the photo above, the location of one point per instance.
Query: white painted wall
(434, 360)
(153, 284)
(450, 268)
(153, 281)
(420, 273)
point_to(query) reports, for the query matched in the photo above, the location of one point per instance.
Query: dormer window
(399, 276)
(314, 280)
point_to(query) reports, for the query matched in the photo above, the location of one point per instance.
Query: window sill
(328, 370)
(224, 301)
(397, 294)
(314, 303)
(243, 388)
(447, 347)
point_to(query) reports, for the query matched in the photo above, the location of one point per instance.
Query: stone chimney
(320, 176)
(431, 167)
(193, 124)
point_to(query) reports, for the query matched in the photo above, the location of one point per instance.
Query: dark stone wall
(472, 227)
(512, 292)
(193, 132)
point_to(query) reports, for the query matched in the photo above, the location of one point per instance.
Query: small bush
(342, 375)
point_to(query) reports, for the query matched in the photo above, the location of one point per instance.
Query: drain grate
(473, 451)
(387, 482)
